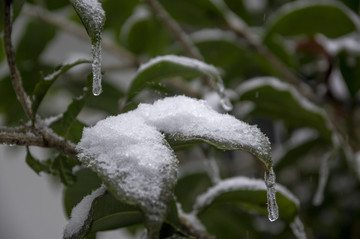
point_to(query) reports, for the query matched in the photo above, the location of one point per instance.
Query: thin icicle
(96, 68)
(297, 228)
(272, 206)
(93, 18)
(323, 178)
(213, 170)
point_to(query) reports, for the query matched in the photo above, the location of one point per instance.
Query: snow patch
(80, 213)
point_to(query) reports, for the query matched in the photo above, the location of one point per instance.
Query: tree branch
(28, 136)
(14, 72)
(189, 48)
(76, 30)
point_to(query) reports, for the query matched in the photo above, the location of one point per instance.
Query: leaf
(331, 19)
(92, 16)
(350, 69)
(249, 194)
(110, 213)
(280, 100)
(142, 25)
(189, 187)
(63, 125)
(62, 166)
(46, 82)
(32, 43)
(130, 154)
(222, 49)
(35, 164)
(199, 13)
(170, 66)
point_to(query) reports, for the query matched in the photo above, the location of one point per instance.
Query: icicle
(272, 207)
(224, 99)
(323, 178)
(93, 18)
(298, 228)
(213, 170)
(96, 67)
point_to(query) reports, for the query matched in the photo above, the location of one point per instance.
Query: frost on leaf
(130, 153)
(93, 18)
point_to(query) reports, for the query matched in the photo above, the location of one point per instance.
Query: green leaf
(331, 19)
(33, 42)
(142, 25)
(193, 12)
(350, 70)
(62, 166)
(35, 164)
(189, 187)
(110, 213)
(250, 194)
(168, 66)
(280, 100)
(63, 125)
(46, 82)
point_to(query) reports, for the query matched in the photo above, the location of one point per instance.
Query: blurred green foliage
(319, 43)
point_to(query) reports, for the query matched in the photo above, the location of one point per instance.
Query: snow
(134, 160)
(187, 119)
(130, 153)
(206, 69)
(213, 34)
(349, 43)
(238, 183)
(92, 15)
(80, 213)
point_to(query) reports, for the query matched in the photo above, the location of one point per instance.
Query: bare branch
(28, 136)
(14, 72)
(189, 48)
(76, 30)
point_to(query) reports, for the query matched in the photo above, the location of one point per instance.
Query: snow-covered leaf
(330, 18)
(280, 100)
(249, 194)
(91, 15)
(168, 66)
(81, 215)
(129, 151)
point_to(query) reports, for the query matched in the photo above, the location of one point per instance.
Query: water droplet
(96, 67)
(273, 210)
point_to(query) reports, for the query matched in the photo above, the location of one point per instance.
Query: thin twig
(189, 48)
(14, 72)
(76, 30)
